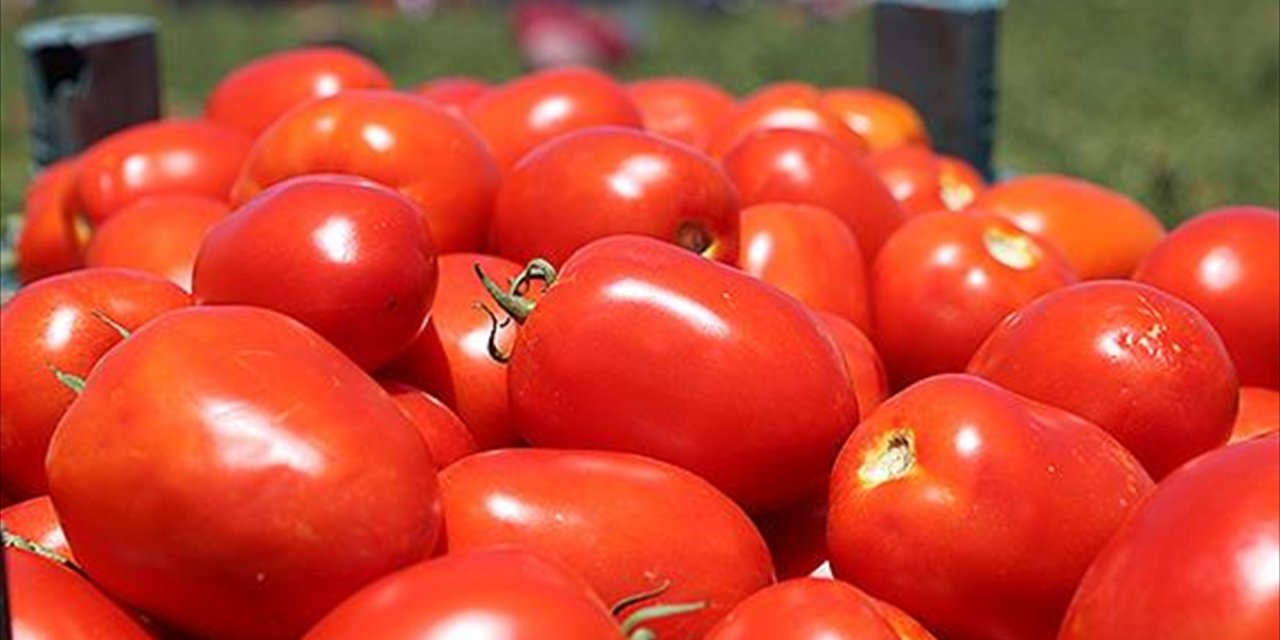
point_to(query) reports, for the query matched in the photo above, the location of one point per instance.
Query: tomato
(1103, 233)
(1258, 414)
(46, 600)
(797, 536)
(609, 181)
(805, 609)
(615, 518)
(791, 106)
(761, 401)
(159, 158)
(450, 358)
(159, 235)
(1200, 558)
(1140, 363)
(351, 259)
(497, 594)
(923, 182)
(943, 281)
(443, 430)
(808, 252)
(1226, 263)
(809, 168)
(530, 110)
(975, 510)
(866, 371)
(454, 93)
(902, 624)
(684, 109)
(62, 323)
(265, 475)
(401, 141)
(882, 119)
(36, 521)
(49, 242)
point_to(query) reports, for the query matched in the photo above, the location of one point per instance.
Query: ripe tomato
(1198, 559)
(50, 241)
(882, 119)
(680, 108)
(1259, 413)
(492, 594)
(943, 281)
(251, 97)
(1226, 263)
(51, 601)
(263, 442)
(609, 181)
(1103, 233)
(797, 536)
(808, 252)
(762, 400)
(809, 168)
(805, 609)
(530, 110)
(36, 521)
(924, 182)
(443, 430)
(453, 93)
(1140, 363)
(866, 371)
(791, 106)
(62, 323)
(349, 258)
(613, 517)
(450, 358)
(976, 510)
(159, 235)
(401, 141)
(169, 156)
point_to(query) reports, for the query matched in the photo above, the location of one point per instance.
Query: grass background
(1174, 102)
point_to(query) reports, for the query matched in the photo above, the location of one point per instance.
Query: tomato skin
(252, 430)
(866, 371)
(976, 510)
(609, 181)
(1259, 413)
(1196, 560)
(168, 156)
(1226, 264)
(159, 235)
(36, 521)
(684, 109)
(402, 141)
(49, 242)
(1103, 233)
(253, 96)
(50, 323)
(443, 430)
(347, 257)
(1136, 361)
(630, 508)
(809, 168)
(805, 609)
(765, 434)
(450, 358)
(453, 93)
(882, 119)
(528, 111)
(808, 252)
(51, 601)
(786, 106)
(943, 281)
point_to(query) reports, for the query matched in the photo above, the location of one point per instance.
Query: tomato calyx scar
(513, 300)
(631, 626)
(893, 457)
(1010, 248)
(694, 237)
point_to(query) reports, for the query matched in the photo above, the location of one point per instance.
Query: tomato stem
(495, 351)
(106, 319)
(631, 626)
(627, 601)
(69, 380)
(18, 542)
(512, 300)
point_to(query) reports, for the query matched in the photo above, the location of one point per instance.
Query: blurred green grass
(1174, 102)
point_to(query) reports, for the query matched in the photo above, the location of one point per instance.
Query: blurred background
(1173, 102)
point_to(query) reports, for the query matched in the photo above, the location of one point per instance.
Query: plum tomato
(159, 235)
(866, 370)
(454, 93)
(791, 106)
(36, 521)
(684, 109)
(1259, 413)
(805, 609)
(47, 600)
(884, 120)
(443, 430)
(50, 241)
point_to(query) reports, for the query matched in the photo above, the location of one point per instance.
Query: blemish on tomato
(1011, 248)
(892, 458)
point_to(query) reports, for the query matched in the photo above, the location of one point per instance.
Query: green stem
(18, 542)
(106, 319)
(69, 380)
(515, 306)
(631, 626)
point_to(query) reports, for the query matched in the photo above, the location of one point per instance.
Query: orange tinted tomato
(882, 119)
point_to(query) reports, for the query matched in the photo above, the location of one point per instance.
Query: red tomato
(159, 158)
(1226, 263)
(790, 106)
(615, 518)
(1140, 363)
(797, 536)
(62, 322)
(497, 594)
(806, 609)
(1259, 413)
(443, 430)
(1200, 558)
(808, 168)
(761, 400)
(46, 600)
(50, 241)
(943, 281)
(976, 510)
(36, 521)
(1103, 233)
(680, 108)
(882, 119)
(609, 181)
(401, 141)
(866, 371)
(808, 252)
(349, 258)
(923, 182)
(251, 97)
(453, 93)
(450, 358)
(159, 235)
(265, 475)
(903, 624)
(530, 110)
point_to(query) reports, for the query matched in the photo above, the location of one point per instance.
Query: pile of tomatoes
(571, 358)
